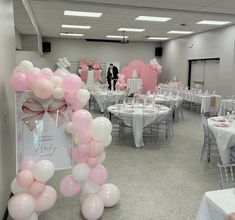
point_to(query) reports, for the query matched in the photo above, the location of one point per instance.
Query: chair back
(226, 175)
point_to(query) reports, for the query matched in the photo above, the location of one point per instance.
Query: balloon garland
(31, 194)
(63, 63)
(90, 136)
(121, 83)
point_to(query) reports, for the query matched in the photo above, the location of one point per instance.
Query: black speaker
(46, 47)
(158, 51)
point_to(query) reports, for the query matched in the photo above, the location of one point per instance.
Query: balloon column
(31, 194)
(121, 83)
(156, 66)
(63, 63)
(91, 137)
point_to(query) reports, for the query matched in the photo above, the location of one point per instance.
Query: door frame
(190, 66)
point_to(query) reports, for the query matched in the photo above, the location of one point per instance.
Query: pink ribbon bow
(36, 112)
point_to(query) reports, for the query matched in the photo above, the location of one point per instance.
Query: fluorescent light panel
(72, 34)
(180, 32)
(157, 38)
(83, 14)
(131, 29)
(209, 22)
(151, 18)
(116, 36)
(75, 26)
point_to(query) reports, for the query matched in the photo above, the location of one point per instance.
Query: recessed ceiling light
(131, 29)
(83, 14)
(72, 34)
(151, 18)
(157, 38)
(116, 36)
(180, 32)
(75, 26)
(208, 22)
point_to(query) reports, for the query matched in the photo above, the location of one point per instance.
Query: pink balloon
(84, 137)
(70, 98)
(61, 73)
(34, 75)
(43, 88)
(16, 69)
(21, 206)
(24, 178)
(36, 188)
(46, 73)
(76, 106)
(92, 207)
(96, 148)
(46, 200)
(149, 77)
(92, 161)
(82, 120)
(71, 83)
(27, 164)
(19, 81)
(98, 174)
(69, 187)
(80, 154)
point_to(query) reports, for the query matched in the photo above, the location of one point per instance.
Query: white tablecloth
(217, 205)
(103, 96)
(203, 99)
(225, 137)
(134, 85)
(139, 118)
(227, 105)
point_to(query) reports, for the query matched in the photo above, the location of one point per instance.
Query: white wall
(75, 49)
(7, 131)
(217, 43)
(18, 40)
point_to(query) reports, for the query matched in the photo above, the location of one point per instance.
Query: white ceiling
(122, 13)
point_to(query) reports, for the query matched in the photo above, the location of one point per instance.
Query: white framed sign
(40, 130)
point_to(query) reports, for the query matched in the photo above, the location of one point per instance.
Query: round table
(224, 132)
(110, 96)
(138, 116)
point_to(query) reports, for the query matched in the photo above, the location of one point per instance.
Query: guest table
(110, 96)
(138, 117)
(224, 132)
(217, 205)
(134, 85)
(227, 105)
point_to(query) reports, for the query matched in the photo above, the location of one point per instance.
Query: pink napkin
(223, 124)
(129, 110)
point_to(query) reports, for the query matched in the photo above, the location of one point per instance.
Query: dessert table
(137, 116)
(110, 96)
(134, 85)
(224, 132)
(217, 205)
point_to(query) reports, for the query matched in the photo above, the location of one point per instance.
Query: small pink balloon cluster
(156, 66)
(45, 84)
(121, 83)
(91, 137)
(31, 194)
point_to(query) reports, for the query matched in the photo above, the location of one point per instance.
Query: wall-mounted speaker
(158, 51)
(46, 47)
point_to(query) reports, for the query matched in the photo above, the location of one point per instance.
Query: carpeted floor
(161, 181)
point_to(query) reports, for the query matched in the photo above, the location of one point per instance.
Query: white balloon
(75, 138)
(43, 170)
(101, 157)
(83, 96)
(108, 141)
(58, 93)
(26, 65)
(90, 187)
(60, 59)
(70, 128)
(110, 194)
(81, 172)
(34, 216)
(56, 80)
(16, 188)
(101, 127)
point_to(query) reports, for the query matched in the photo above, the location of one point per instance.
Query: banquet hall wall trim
(7, 119)
(216, 43)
